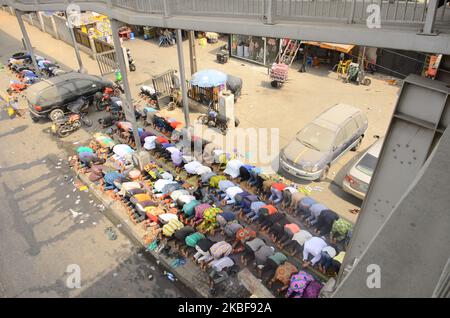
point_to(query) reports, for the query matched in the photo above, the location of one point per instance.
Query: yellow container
(202, 42)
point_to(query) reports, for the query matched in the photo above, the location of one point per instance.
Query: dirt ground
(298, 102)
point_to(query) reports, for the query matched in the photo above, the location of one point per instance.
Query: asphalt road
(47, 224)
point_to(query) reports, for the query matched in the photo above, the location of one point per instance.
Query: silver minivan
(323, 141)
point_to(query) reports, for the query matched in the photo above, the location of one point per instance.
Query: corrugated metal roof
(346, 48)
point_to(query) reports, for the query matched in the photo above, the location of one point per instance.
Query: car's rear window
(367, 164)
(48, 95)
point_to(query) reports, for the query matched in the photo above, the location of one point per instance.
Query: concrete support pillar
(128, 109)
(183, 78)
(27, 39)
(192, 53)
(30, 17)
(55, 29)
(93, 48)
(41, 21)
(75, 46)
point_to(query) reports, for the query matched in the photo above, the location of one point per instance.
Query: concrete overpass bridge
(417, 25)
(404, 224)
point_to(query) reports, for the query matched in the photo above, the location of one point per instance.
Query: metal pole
(192, 53)
(352, 12)
(129, 110)
(27, 40)
(428, 27)
(77, 50)
(182, 78)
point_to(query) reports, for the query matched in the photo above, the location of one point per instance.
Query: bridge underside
(404, 36)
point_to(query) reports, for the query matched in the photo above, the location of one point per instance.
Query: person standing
(302, 57)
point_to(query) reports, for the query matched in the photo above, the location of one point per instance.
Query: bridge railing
(398, 12)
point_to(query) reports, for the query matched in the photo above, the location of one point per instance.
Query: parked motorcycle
(131, 61)
(64, 126)
(103, 100)
(213, 119)
(118, 88)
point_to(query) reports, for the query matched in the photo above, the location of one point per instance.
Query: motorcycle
(103, 100)
(131, 61)
(118, 88)
(66, 125)
(213, 119)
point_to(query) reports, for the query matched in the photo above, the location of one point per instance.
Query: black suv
(49, 97)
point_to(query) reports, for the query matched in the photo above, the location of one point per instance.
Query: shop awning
(345, 48)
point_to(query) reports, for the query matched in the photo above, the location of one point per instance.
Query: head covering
(298, 283)
(166, 217)
(84, 149)
(312, 290)
(214, 181)
(189, 208)
(191, 240)
(245, 234)
(232, 168)
(284, 272)
(192, 167)
(122, 150)
(172, 226)
(225, 184)
(177, 193)
(200, 209)
(329, 250)
(203, 169)
(149, 142)
(134, 174)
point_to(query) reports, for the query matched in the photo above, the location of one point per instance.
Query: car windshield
(367, 164)
(316, 137)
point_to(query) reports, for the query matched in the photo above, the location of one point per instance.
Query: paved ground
(304, 97)
(40, 235)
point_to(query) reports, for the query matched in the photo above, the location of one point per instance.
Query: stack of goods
(212, 37)
(279, 72)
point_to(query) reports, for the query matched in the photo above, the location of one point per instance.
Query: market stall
(326, 53)
(260, 50)
(205, 86)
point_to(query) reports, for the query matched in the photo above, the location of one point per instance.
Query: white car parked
(357, 180)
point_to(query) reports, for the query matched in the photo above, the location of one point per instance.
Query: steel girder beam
(404, 222)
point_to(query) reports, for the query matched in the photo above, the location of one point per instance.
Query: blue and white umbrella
(209, 78)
